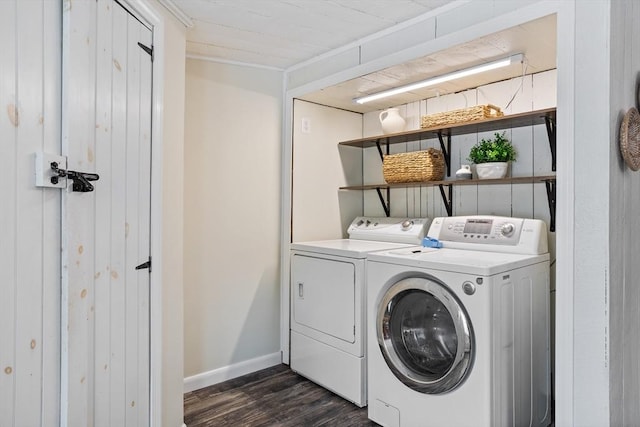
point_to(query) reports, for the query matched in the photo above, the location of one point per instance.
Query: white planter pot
(492, 170)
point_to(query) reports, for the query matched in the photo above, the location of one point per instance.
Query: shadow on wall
(246, 79)
(350, 202)
(260, 333)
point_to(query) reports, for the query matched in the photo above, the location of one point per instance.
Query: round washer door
(425, 335)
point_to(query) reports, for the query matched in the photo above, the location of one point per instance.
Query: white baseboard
(225, 373)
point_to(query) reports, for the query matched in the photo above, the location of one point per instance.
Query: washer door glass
(425, 335)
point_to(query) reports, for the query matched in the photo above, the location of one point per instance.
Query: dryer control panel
(491, 233)
(397, 230)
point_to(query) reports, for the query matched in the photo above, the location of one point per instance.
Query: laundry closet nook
(590, 86)
(339, 146)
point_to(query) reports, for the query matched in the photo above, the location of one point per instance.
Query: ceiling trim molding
(230, 62)
(379, 34)
(177, 13)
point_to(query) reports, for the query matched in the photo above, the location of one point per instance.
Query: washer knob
(407, 224)
(469, 288)
(359, 223)
(507, 229)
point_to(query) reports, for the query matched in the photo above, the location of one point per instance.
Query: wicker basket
(471, 114)
(417, 166)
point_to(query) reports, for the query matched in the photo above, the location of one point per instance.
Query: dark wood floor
(272, 397)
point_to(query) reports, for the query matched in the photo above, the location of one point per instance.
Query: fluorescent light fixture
(443, 78)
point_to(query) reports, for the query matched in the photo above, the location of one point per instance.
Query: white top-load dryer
(458, 333)
(328, 301)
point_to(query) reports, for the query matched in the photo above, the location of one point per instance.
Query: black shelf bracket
(380, 148)
(386, 205)
(446, 150)
(551, 133)
(447, 199)
(551, 198)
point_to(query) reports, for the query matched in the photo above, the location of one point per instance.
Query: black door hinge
(146, 264)
(147, 49)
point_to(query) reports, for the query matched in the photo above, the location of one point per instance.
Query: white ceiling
(282, 33)
(279, 34)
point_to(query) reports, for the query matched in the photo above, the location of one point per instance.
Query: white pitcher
(391, 121)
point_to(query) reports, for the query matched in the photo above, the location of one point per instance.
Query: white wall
(320, 211)
(231, 212)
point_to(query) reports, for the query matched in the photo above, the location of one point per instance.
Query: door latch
(80, 179)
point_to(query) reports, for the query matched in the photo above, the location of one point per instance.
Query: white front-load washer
(328, 302)
(459, 335)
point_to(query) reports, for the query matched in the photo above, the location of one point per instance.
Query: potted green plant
(492, 156)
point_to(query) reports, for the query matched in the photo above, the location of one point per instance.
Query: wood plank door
(106, 130)
(30, 37)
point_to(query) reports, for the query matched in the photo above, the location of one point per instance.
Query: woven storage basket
(417, 166)
(479, 112)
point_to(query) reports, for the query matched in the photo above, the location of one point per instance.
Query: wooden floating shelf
(537, 117)
(458, 182)
(444, 134)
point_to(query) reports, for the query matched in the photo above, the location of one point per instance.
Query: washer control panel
(495, 231)
(491, 233)
(399, 230)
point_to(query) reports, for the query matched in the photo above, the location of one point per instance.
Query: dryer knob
(469, 288)
(407, 224)
(507, 229)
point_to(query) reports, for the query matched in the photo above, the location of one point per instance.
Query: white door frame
(150, 14)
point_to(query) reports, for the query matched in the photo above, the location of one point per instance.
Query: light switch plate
(306, 125)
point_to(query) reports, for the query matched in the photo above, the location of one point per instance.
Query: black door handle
(80, 179)
(144, 265)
